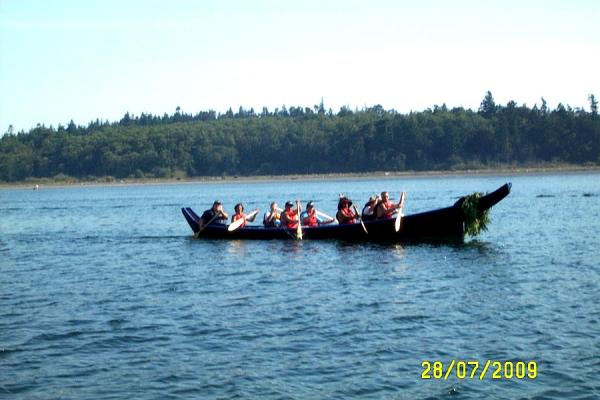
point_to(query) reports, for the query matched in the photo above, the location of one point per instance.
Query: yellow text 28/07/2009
(473, 369)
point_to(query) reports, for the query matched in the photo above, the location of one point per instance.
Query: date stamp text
(472, 369)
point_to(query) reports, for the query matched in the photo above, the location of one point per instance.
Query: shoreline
(309, 177)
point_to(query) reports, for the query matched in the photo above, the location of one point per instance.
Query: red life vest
(239, 216)
(348, 213)
(388, 204)
(311, 220)
(290, 215)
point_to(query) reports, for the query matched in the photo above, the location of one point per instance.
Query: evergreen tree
(488, 106)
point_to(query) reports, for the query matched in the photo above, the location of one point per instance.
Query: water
(104, 294)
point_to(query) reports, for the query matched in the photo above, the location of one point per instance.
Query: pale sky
(82, 60)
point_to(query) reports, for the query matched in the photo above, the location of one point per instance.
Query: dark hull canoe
(441, 224)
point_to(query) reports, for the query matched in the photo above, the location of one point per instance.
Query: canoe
(435, 225)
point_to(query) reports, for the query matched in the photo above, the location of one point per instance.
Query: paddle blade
(322, 214)
(399, 215)
(234, 225)
(398, 221)
(299, 228)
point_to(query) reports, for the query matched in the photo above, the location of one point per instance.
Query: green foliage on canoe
(476, 221)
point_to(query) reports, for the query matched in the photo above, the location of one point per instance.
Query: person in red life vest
(239, 214)
(385, 208)
(310, 217)
(289, 216)
(345, 214)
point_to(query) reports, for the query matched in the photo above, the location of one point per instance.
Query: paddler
(310, 217)
(368, 211)
(239, 214)
(345, 214)
(385, 208)
(289, 216)
(213, 216)
(272, 218)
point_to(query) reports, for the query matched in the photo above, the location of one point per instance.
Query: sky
(85, 60)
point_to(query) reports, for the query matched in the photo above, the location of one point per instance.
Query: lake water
(104, 294)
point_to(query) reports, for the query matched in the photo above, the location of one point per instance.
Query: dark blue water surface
(105, 294)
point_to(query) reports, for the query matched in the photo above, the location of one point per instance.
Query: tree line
(305, 140)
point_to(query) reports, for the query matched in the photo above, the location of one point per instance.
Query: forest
(304, 140)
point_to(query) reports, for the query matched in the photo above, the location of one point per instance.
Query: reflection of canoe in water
(442, 224)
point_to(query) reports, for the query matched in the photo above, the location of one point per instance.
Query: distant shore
(47, 182)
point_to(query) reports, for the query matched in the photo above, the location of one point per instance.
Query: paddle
(360, 219)
(322, 214)
(210, 221)
(399, 215)
(299, 228)
(234, 225)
